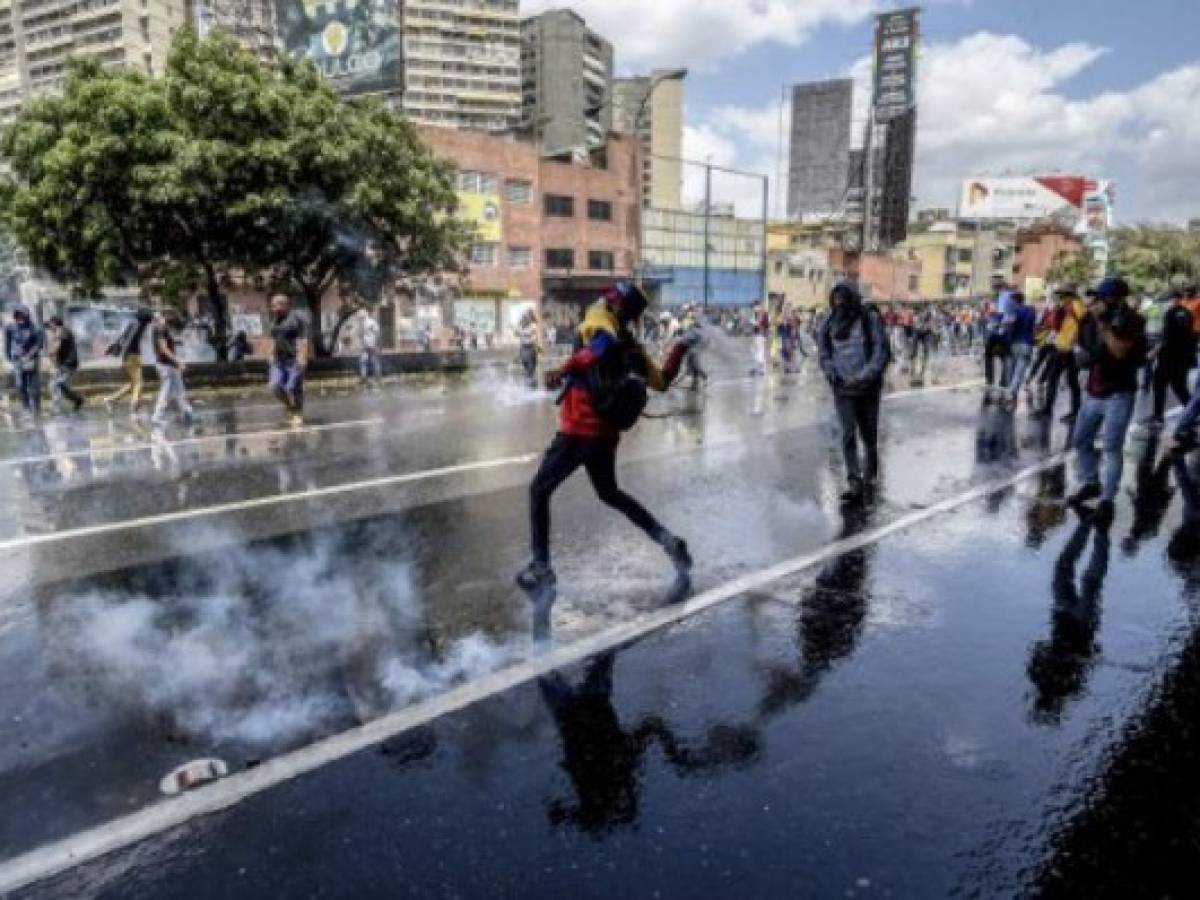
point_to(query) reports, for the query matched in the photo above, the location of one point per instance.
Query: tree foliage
(1072, 268)
(224, 165)
(1154, 258)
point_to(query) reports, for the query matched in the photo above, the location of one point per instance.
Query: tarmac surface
(963, 688)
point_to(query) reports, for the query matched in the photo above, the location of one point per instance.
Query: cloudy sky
(1109, 88)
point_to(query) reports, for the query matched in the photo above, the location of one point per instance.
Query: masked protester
(25, 343)
(1113, 342)
(603, 382)
(854, 355)
(289, 357)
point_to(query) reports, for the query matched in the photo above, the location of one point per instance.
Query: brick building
(550, 233)
(1037, 250)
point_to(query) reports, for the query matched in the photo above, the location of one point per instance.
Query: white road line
(60, 856)
(102, 449)
(53, 537)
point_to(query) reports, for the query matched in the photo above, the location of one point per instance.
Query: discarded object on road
(193, 774)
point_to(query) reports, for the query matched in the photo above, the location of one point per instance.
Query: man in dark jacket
(854, 355)
(1176, 357)
(24, 344)
(65, 356)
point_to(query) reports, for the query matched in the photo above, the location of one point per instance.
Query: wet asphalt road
(998, 701)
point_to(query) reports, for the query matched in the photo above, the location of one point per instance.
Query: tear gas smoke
(268, 644)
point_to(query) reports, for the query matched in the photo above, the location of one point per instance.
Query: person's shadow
(830, 620)
(1151, 496)
(1059, 666)
(604, 759)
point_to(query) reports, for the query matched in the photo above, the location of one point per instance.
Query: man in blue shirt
(1021, 340)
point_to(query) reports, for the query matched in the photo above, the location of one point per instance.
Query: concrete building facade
(462, 63)
(651, 107)
(819, 154)
(566, 81)
(959, 260)
(675, 260)
(38, 36)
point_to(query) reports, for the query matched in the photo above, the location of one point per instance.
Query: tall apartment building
(38, 36)
(819, 156)
(252, 22)
(462, 63)
(566, 73)
(659, 128)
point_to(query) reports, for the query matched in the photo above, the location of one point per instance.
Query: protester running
(604, 383)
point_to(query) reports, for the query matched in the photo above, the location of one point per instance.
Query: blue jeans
(287, 380)
(1021, 356)
(172, 391)
(30, 386)
(370, 364)
(1113, 414)
(1191, 415)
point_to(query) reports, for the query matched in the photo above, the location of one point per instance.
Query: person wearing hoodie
(587, 436)
(128, 348)
(854, 355)
(24, 342)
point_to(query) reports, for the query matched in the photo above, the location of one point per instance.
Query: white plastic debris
(193, 774)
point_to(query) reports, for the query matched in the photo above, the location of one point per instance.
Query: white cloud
(700, 33)
(990, 104)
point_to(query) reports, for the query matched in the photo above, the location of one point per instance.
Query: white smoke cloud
(278, 644)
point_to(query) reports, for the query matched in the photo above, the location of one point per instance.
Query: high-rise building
(819, 157)
(38, 36)
(252, 22)
(651, 107)
(566, 72)
(462, 63)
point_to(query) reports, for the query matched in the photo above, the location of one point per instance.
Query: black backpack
(618, 383)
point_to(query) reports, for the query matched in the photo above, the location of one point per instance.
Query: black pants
(859, 417)
(1063, 365)
(1170, 373)
(996, 349)
(1041, 363)
(566, 454)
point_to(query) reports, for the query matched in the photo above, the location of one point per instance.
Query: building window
(519, 191)
(520, 257)
(557, 205)
(600, 210)
(483, 254)
(914, 284)
(477, 183)
(965, 255)
(560, 259)
(600, 260)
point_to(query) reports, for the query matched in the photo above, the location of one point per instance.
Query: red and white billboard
(1026, 197)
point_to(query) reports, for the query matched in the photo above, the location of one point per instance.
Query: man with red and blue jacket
(585, 438)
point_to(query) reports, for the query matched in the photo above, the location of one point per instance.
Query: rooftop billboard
(355, 43)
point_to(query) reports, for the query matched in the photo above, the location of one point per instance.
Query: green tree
(1155, 258)
(223, 165)
(1072, 268)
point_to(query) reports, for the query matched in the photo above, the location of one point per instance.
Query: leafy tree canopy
(223, 164)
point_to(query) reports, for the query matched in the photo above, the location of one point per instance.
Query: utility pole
(707, 217)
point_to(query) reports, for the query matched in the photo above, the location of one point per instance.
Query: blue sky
(1110, 88)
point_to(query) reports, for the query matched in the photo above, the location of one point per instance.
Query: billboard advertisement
(1026, 197)
(895, 89)
(355, 43)
(483, 212)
